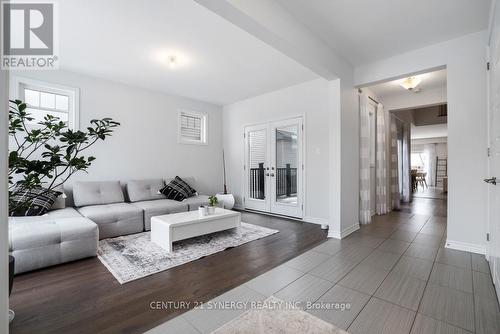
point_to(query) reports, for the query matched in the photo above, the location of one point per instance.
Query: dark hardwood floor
(84, 297)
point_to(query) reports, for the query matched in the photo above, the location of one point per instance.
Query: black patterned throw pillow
(188, 189)
(175, 191)
(31, 202)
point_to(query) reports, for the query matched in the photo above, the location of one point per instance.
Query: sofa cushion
(96, 193)
(114, 219)
(159, 207)
(145, 190)
(196, 201)
(39, 243)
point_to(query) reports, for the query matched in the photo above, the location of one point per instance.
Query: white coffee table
(179, 226)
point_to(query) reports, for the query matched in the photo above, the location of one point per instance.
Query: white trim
(73, 92)
(203, 127)
(308, 219)
(465, 246)
(316, 220)
(344, 233)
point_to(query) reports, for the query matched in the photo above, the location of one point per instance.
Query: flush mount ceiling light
(172, 61)
(410, 83)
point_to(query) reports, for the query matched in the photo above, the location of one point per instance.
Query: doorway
(274, 167)
(412, 140)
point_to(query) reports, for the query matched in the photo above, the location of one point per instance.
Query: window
(418, 160)
(192, 128)
(44, 99)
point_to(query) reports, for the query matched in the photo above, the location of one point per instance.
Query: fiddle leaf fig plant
(44, 155)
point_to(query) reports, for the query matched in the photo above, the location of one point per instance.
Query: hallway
(395, 274)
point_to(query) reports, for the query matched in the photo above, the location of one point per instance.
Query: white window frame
(17, 84)
(203, 127)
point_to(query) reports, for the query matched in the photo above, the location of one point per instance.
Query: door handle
(267, 174)
(272, 174)
(492, 180)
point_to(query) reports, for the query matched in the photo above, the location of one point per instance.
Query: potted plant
(44, 156)
(213, 201)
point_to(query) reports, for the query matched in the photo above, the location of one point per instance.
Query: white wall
(145, 145)
(465, 60)
(310, 99)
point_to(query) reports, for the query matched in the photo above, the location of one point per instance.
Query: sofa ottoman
(59, 237)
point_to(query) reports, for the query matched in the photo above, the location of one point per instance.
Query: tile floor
(395, 274)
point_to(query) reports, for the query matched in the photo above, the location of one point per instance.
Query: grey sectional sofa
(102, 210)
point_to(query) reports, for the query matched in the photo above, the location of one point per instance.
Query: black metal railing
(286, 181)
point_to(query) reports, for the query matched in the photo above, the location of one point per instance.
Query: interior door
(286, 167)
(493, 250)
(257, 158)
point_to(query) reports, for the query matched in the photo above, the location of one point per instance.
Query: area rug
(276, 316)
(134, 256)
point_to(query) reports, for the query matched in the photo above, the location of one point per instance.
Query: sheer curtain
(407, 193)
(381, 163)
(430, 153)
(364, 161)
(394, 165)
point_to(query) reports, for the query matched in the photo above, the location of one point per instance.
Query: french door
(274, 167)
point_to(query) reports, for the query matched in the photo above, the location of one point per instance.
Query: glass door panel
(287, 167)
(257, 168)
(286, 164)
(257, 158)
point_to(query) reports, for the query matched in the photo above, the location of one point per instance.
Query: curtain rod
(371, 98)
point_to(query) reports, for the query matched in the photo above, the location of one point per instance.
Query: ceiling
(366, 30)
(430, 80)
(129, 42)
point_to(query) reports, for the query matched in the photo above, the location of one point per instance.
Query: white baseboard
(315, 220)
(306, 219)
(465, 246)
(344, 233)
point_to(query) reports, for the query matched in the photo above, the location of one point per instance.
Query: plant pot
(227, 200)
(211, 210)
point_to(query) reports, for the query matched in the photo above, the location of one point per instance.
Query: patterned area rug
(277, 317)
(134, 256)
